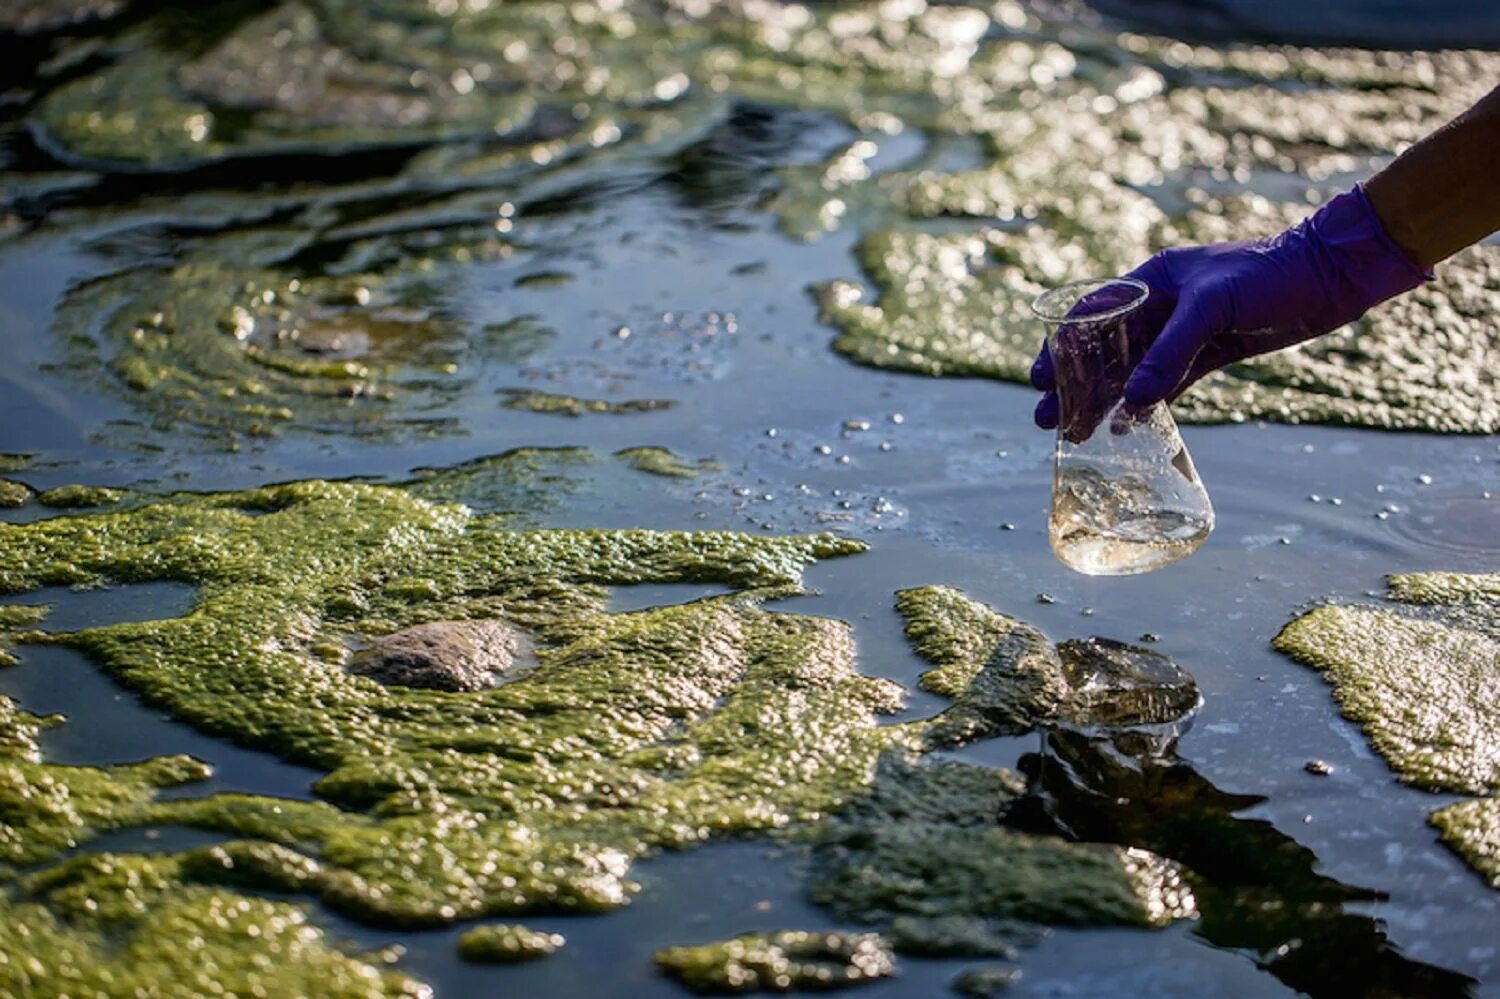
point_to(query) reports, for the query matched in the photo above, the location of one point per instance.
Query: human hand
(1210, 306)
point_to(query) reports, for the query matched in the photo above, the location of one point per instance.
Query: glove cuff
(1370, 264)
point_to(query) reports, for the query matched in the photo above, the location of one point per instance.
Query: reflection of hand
(1213, 305)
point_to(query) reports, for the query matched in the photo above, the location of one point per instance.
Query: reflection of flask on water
(1125, 495)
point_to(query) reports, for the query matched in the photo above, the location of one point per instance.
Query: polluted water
(1126, 497)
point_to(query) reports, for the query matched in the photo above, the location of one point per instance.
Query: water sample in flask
(1125, 495)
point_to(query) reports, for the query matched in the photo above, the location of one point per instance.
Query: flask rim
(1059, 305)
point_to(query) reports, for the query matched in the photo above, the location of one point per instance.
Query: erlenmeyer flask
(1125, 495)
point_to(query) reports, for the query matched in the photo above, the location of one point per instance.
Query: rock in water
(1114, 684)
(442, 655)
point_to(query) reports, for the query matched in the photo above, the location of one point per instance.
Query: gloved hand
(1213, 305)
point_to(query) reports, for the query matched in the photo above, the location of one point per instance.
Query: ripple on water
(1465, 523)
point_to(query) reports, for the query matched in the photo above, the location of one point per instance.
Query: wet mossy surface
(567, 405)
(328, 309)
(1421, 674)
(663, 461)
(13, 494)
(784, 961)
(1472, 829)
(639, 731)
(507, 944)
(80, 497)
(921, 856)
(1422, 677)
(105, 925)
(256, 301)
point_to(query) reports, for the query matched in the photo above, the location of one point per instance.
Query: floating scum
(1091, 145)
(636, 732)
(1421, 675)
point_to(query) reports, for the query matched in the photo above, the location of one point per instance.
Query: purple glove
(1213, 305)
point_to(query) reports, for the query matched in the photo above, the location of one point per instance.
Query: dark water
(1396, 24)
(675, 235)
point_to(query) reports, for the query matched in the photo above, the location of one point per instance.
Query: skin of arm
(1443, 193)
(1209, 306)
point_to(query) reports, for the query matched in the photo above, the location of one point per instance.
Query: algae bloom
(634, 732)
(1421, 675)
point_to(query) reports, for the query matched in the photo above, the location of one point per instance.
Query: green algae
(640, 731)
(1422, 677)
(230, 349)
(567, 405)
(664, 462)
(1003, 675)
(783, 961)
(507, 944)
(1472, 829)
(1423, 683)
(1086, 137)
(984, 982)
(956, 304)
(22, 615)
(515, 482)
(920, 854)
(80, 497)
(537, 794)
(13, 494)
(106, 925)
(15, 462)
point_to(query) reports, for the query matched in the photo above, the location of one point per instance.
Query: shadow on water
(107, 723)
(1258, 889)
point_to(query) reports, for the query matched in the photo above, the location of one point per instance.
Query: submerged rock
(1112, 684)
(442, 655)
(507, 944)
(785, 961)
(1005, 677)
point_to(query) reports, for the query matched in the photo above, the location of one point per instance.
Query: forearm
(1443, 194)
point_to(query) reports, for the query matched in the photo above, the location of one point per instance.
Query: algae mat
(636, 732)
(322, 305)
(1422, 676)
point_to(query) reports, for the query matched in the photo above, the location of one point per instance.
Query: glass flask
(1125, 495)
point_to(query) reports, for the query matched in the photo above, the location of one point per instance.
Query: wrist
(1364, 265)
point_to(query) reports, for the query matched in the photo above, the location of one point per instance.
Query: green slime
(1090, 144)
(1422, 677)
(656, 729)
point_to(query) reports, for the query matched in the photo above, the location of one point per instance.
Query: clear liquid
(1118, 526)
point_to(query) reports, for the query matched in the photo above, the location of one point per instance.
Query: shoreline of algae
(1421, 676)
(640, 731)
